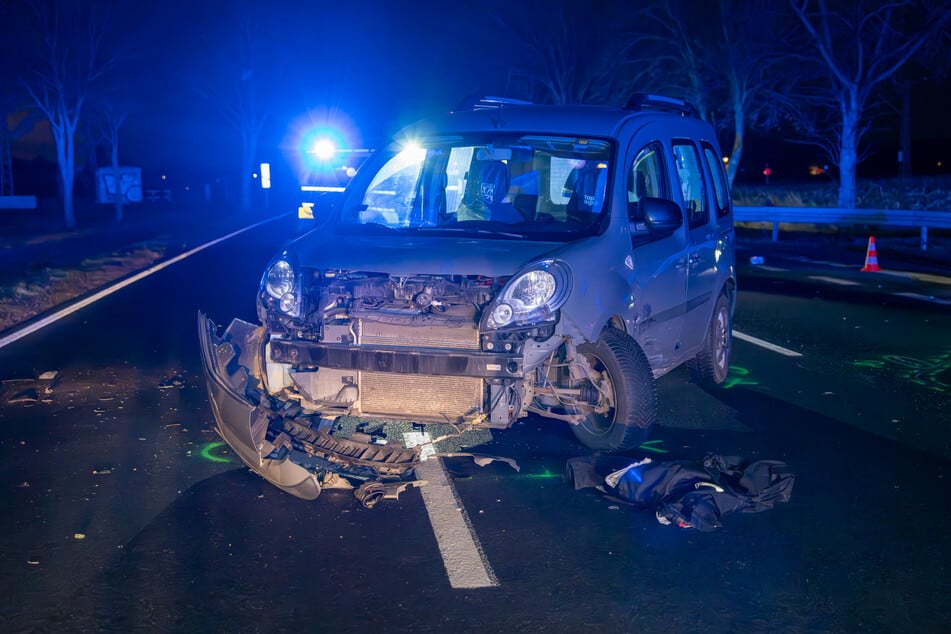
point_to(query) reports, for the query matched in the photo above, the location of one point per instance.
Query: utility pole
(6, 160)
(905, 141)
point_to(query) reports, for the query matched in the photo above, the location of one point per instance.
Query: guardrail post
(775, 230)
(924, 238)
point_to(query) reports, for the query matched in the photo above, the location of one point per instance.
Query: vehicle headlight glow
(279, 279)
(530, 297)
(280, 283)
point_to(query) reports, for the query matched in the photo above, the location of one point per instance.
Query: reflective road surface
(124, 512)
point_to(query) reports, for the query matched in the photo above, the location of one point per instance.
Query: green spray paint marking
(923, 372)
(206, 450)
(737, 376)
(544, 475)
(653, 445)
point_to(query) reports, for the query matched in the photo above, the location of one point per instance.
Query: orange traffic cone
(871, 257)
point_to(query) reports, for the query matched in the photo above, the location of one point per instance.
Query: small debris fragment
(28, 395)
(23, 485)
(172, 382)
(102, 471)
(32, 562)
(79, 536)
(49, 375)
(614, 507)
(756, 259)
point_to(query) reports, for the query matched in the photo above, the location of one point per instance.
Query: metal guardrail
(836, 216)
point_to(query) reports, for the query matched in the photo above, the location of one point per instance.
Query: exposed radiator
(376, 333)
(431, 398)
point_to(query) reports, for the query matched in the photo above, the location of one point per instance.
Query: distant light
(265, 176)
(254, 175)
(163, 176)
(324, 149)
(940, 164)
(726, 159)
(351, 171)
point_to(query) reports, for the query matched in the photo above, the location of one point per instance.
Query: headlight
(531, 297)
(280, 282)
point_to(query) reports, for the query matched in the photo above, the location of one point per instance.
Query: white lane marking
(765, 344)
(109, 290)
(834, 280)
(928, 298)
(774, 269)
(462, 553)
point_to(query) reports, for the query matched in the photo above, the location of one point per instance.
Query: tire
(627, 424)
(712, 364)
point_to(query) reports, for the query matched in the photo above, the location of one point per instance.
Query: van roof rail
(643, 101)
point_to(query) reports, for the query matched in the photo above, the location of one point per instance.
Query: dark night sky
(377, 64)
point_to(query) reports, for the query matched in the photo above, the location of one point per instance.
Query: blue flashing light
(324, 149)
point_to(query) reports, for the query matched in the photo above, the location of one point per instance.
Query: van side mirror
(661, 216)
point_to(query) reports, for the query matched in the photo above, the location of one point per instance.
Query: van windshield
(521, 186)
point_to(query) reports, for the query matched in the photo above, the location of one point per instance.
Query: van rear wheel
(626, 397)
(712, 364)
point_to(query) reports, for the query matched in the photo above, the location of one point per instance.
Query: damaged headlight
(531, 297)
(280, 283)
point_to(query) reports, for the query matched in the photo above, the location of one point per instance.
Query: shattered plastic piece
(173, 381)
(29, 395)
(482, 459)
(393, 489)
(49, 375)
(369, 493)
(79, 536)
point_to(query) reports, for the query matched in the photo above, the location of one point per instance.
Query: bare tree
(859, 46)
(111, 117)
(570, 50)
(671, 44)
(725, 58)
(752, 58)
(241, 64)
(74, 55)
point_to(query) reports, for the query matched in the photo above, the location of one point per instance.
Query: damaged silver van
(501, 261)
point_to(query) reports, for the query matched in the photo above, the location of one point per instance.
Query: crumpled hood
(418, 255)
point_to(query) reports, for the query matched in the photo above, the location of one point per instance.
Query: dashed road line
(834, 280)
(462, 554)
(765, 344)
(928, 298)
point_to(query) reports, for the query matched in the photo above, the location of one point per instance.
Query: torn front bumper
(289, 447)
(242, 423)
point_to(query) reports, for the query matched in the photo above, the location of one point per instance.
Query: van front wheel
(624, 391)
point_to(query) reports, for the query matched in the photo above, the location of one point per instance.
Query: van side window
(720, 186)
(690, 175)
(647, 178)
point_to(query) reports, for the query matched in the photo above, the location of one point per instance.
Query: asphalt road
(124, 513)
